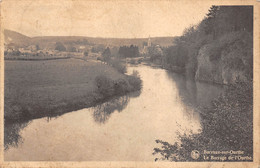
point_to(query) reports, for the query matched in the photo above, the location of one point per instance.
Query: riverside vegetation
(35, 89)
(217, 50)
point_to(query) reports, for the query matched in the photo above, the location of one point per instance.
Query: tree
(72, 49)
(16, 53)
(60, 46)
(211, 20)
(85, 53)
(106, 54)
(114, 51)
(98, 48)
(236, 18)
(128, 52)
(225, 19)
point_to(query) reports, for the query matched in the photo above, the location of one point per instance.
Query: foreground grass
(35, 89)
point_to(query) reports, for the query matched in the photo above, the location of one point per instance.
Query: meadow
(36, 89)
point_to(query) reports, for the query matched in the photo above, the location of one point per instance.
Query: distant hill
(46, 41)
(16, 38)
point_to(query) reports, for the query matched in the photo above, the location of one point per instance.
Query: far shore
(18, 58)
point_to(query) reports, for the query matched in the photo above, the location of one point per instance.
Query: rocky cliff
(226, 60)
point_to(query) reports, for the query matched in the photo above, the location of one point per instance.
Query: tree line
(128, 51)
(234, 22)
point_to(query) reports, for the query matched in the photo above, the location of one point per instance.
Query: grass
(36, 89)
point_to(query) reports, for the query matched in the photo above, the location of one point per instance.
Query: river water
(122, 129)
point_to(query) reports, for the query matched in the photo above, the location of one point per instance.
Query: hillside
(44, 41)
(16, 38)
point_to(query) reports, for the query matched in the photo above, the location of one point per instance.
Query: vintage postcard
(129, 83)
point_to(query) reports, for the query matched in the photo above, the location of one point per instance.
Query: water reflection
(12, 137)
(101, 114)
(103, 111)
(195, 94)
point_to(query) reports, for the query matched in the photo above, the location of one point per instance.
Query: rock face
(227, 61)
(208, 71)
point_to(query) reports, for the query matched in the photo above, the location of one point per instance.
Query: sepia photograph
(135, 81)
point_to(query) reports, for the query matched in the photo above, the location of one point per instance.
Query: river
(122, 129)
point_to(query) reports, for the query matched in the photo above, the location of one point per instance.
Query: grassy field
(36, 89)
(35, 58)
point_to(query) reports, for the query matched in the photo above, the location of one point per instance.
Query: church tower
(149, 44)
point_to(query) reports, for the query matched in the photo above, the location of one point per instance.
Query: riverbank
(222, 55)
(35, 89)
(122, 121)
(226, 125)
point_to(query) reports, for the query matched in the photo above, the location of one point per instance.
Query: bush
(105, 85)
(226, 125)
(121, 87)
(85, 53)
(99, 58)
(231, 118)
(118, 65)
(135, 81)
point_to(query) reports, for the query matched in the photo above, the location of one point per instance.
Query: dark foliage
(85, 53)
(107, 87)
(176, 55)
(13, 53)
(135, 81)
(98, 48)
(118, 65)
(77, 42)
(218, 23)
(104, 85)
(71, 49)
(60, 46)
(128, 52)
(227, 124)
(106, 54)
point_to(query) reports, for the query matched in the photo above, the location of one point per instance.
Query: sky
(116, 19)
